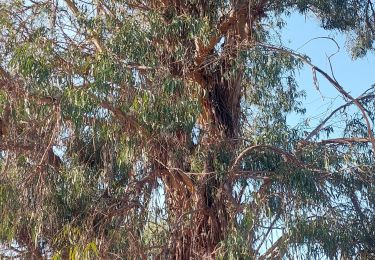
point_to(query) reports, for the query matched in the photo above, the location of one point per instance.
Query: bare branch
(267, 233)
(338, 87)
(320, 126)
(275, 247)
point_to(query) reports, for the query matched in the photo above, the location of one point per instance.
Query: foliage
(157, 129)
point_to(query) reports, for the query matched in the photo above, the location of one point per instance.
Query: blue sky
(354, 75)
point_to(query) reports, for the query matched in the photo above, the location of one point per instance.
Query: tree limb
(227, 22)
(95, 40)
(338, 87)
(320, 126)
(271, 251)
(287, 156)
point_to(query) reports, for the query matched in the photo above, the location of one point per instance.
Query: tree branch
(338, 87)
(287, 156)
(345, 141)
(267, 233)
(320, 126)
(95, 40)
(227, 22)
(123, 117)
(271, 251)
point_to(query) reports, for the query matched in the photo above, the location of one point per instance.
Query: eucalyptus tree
(157, 129)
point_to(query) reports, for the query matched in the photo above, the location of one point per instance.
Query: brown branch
(178, 173)
(132, 65)
(355, 101)
(258, 175)
(267, 233)
(123, 117)
(271, 251)
(72, 7)
(320, 126)
(120, 115)
(95, 40)
(338, 87)
(14, 147)
(53, 136)
(51, 158)
(228, 21)
(287, 156)
(345, 140)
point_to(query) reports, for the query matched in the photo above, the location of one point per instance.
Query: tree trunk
(201, 214)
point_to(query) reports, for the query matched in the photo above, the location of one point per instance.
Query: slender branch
(53, 136)
(338, 87)
(259, 175)
(123, 117)
(345, 140)
(132, 65)
(287, 156)
(274, 247)
(15, 147)
(267, 233)
(320, 126)
(72, 7)
(95, 40)
(180, 174)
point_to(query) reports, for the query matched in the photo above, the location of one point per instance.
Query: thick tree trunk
(201, 215)
(211, 218)
(200, 218)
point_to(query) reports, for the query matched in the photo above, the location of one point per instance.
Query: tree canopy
(156, 129)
